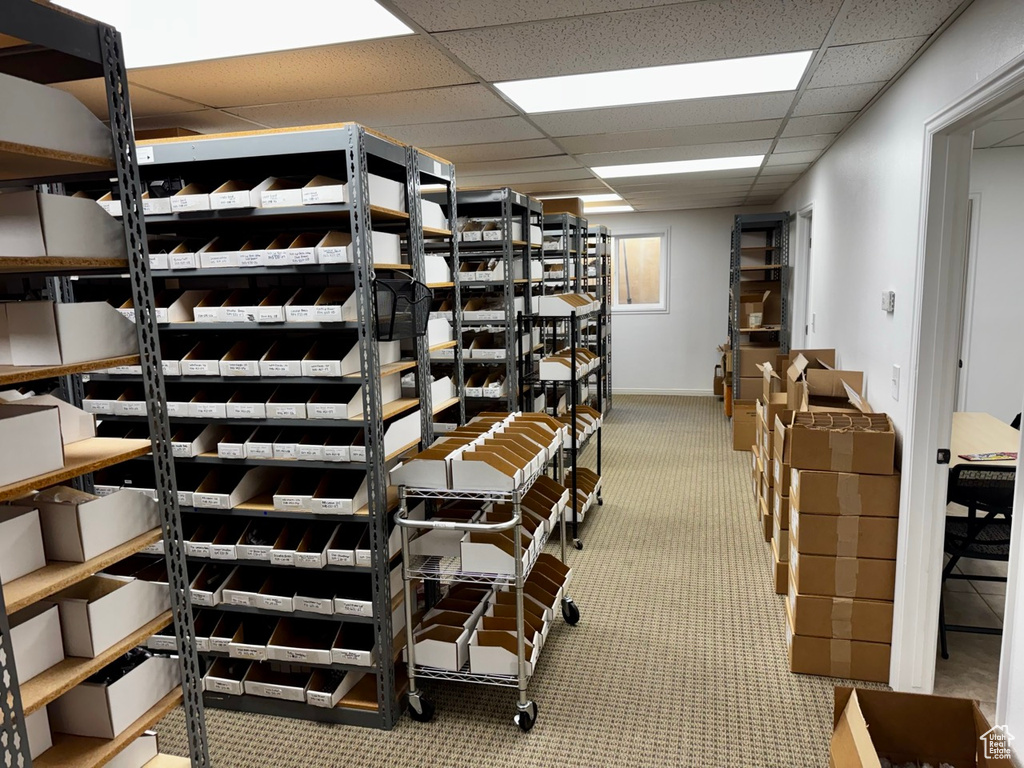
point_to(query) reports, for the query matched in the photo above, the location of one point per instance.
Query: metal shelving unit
(759, 260)
(347, 152)
(43, 45)
(571, 233)
(509, 207)
(600, 255)
(570, 331)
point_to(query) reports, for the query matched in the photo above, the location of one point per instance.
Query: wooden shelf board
(400, 451)
(393, 408)
(79, 459)
(387, 214)
(62, 677)
(23, 161)
(435, 232)
(53, 577)
(763, 268)
(168, 761)
(445, 405)
(81, 752)
(440, 285)
(759, 248)
(388, 265)
(15, 374)
(387, 369)
(446, 345)
(53, 264)
(762, 329)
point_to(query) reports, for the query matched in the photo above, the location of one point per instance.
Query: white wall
(866, 193)
(994, 368)
(676, 352)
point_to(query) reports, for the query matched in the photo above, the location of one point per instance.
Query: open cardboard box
(79, 526)
(234, 194)
(496, 652)
(858, 443)
(103, 711)
(207, 588)
(258, 539)
(442, 647)
(37, 225)
(251, 638)
(261, 680)
(249, 403)
(280, 193)
(242, 587)
(381, 192)
(289, 250)
(325, 691)
(355, 645)
(225, 676)
(913, 728)
(277, 593)
(44, 333)
(333, 304)
(101, 610)
(21, 541)
(36, 639)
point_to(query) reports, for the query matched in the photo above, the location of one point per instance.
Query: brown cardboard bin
(860, 443)
(910, 727)
(843, 493)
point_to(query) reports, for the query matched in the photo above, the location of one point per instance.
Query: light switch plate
(895, 382)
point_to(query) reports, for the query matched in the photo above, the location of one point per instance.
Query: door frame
(937, 302)
(802, 274)
(970, 272)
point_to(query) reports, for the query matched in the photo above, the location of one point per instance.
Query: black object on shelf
(401, 308)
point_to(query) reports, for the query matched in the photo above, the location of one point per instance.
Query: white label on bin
(216, 260)
(273, 602)
(289, 501)
(145, 155)
(241, 599)
(239, 315)
(273, 691)
(206, 409)
(323, 409)
(196, 367)
(321, 369)
(206, 500)
(324, 313)
(284, 411)
(242, 409)
(280, 369)
(354, 607)
(221, 686)
(132, 407)
(336, 453)
(227, 451)
(222, 551)
(240, 368)
(246, 259)
(260, 451)
(330, 503)
(291, 655)
(246, 652)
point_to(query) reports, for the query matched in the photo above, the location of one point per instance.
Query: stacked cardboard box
(843, 516)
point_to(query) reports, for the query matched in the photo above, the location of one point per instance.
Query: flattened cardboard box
(910, 728)
(841, 617)
(846, 536)
(841, 576)
(849, 659)
(843, 493)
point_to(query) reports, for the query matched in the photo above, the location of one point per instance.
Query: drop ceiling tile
(428, 105)
(868, 20)
(352, 69)
(440, 15)
(563, 188)
(673, 114)
(696, 31)
(502, 150)
(695, 152)
(839, 98)
(525, 165)
(789, 158)
(799, 143)
(782, 178)
(202, 121)
(997, 131)
(785, 170)
(517, 180)
(671, 137)
(145, 102)
(467, 132)
(817, 124)
(864, 63)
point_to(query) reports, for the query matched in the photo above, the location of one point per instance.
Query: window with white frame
(640, 272)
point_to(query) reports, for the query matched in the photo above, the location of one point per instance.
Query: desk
(981, 433)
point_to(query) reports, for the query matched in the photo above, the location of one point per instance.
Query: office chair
(1016, 422)
(988, 490)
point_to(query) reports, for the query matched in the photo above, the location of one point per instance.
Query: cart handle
(402, 519)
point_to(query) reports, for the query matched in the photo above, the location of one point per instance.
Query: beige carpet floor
(679, 659)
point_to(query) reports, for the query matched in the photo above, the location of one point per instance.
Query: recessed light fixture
(647, 85)
(678, 166)
(608, 209)
(158, 32)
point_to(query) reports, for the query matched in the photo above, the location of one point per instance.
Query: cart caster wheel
(600, 501)
(527, 718)
(421, 709)
(578, 543)
(570, 612)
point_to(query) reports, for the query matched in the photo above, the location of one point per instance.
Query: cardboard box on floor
(830, 657)
(780, 570)
(744, 426)
(868, 537)
(844, 493)
(752, 356)
(858, 443)
(855, 577)
(912, 728)
(843, 618)
(814, 384)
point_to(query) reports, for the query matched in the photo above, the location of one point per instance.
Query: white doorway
(967, 313)
(804, 327)
(939, 300)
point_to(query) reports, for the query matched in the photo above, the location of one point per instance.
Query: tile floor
(972, 669)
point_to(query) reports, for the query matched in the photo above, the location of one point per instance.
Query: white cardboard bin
(36, 639)
(78, 526)
(21, 542)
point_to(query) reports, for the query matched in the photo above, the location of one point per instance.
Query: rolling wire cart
(572, 385)
(448, 570)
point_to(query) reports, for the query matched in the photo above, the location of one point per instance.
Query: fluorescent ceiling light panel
(159, 32)
(678, 166)
(608, 209)
(647, 85)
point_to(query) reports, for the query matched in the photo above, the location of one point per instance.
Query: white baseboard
(677, 392)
